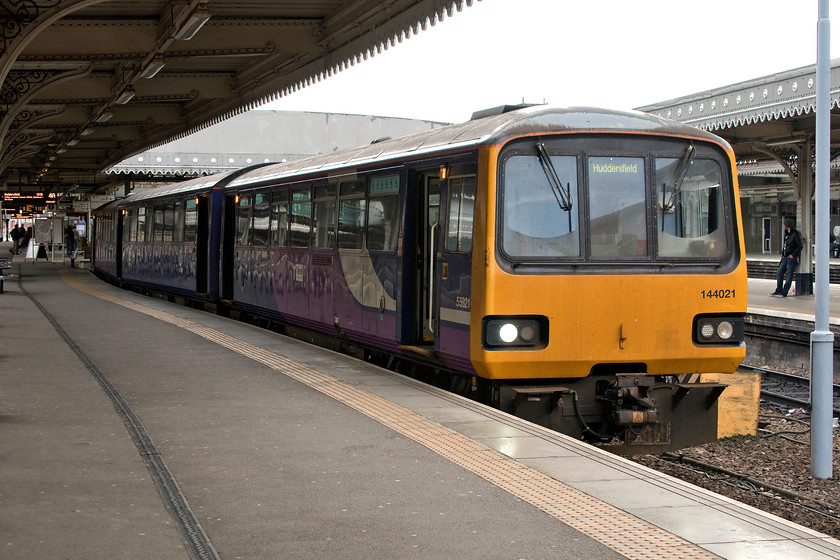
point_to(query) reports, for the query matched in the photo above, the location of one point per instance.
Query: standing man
(791, 247)
(16, 232)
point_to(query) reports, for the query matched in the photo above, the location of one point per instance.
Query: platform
(278, 449)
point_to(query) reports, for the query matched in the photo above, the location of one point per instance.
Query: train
(579, 267)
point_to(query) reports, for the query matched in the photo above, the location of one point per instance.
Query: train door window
(157, 233)
(459, 234)
(178, 230)
(689, 221)
(243, 219)
(540, 205)
(383, 220)
(323, 224)
(617, 209)
(262, 211)
(351, 215)
(301, 217)
(191, 220)
(141, 224)
(279, 218)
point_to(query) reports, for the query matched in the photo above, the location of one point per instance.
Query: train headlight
(718, 329)
(525, 332)
(725, 330)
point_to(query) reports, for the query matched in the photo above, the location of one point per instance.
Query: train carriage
(572, 266)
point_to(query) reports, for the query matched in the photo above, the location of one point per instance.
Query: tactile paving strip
(622, 532)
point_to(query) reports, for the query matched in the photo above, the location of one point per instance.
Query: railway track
(786, 391)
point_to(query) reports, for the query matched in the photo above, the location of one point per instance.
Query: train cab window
(540, 205)
(191, 221)
(262, 212)
(459, 233)
(141, 224)
(689, 220)
(351, 215)
(178, 230)
(617, 209)
(301, 217)
(383, 214)
(157, 232)
(243, 220)
(279, 218)
(323, 223)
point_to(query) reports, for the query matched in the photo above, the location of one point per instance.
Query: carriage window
(191, 221)
(178, 233)
(689, 219)
(383, 220)
(279, 218)
(461, 209)
(141, 224)
(323, 224)
(157, 234)
(351, 215)
(262, 212)
(243, 220)
(168, 222)
(301, 217)
(617, 207)
(538, 219)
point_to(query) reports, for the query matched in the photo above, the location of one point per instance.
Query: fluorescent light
(126, 96)
(104, 116)
(194, 22)
(153, 68)
(86, 132)
(72, 141)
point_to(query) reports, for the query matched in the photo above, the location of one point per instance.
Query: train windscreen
(620, 200)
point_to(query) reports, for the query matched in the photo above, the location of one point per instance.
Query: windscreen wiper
(679, 176)
(563, 195)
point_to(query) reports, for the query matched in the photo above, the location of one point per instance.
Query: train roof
(181, 187)
(489, 130)
(494, 129)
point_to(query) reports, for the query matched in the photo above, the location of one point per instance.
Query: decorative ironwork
(15, 15)
(21, 82)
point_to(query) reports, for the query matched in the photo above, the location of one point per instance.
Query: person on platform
(70, 238)
(791, 248)
(16, 234)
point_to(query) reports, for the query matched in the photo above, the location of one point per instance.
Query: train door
(118, 243)
(427, 220)
(228, 243)
(201, 245)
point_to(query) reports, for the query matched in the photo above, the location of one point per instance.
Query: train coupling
(630, 400)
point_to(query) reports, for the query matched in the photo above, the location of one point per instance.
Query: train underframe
(624, 413)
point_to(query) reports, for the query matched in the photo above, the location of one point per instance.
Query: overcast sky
(618, 54)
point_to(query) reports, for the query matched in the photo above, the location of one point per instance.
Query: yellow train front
(608, 272)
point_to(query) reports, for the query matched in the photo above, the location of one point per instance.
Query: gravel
(780, 457)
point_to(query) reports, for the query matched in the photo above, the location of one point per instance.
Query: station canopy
(88, 83)
(770, 123)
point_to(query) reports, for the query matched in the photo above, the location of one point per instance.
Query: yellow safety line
(626, 534)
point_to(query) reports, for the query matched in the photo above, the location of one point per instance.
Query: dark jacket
(793, 244)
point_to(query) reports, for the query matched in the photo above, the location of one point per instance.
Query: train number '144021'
(717, 294)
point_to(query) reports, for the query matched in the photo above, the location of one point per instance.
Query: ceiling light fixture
(126, 96)
(153, 68)
(193, 23)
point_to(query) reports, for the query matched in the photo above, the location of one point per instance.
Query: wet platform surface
(282, 450)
